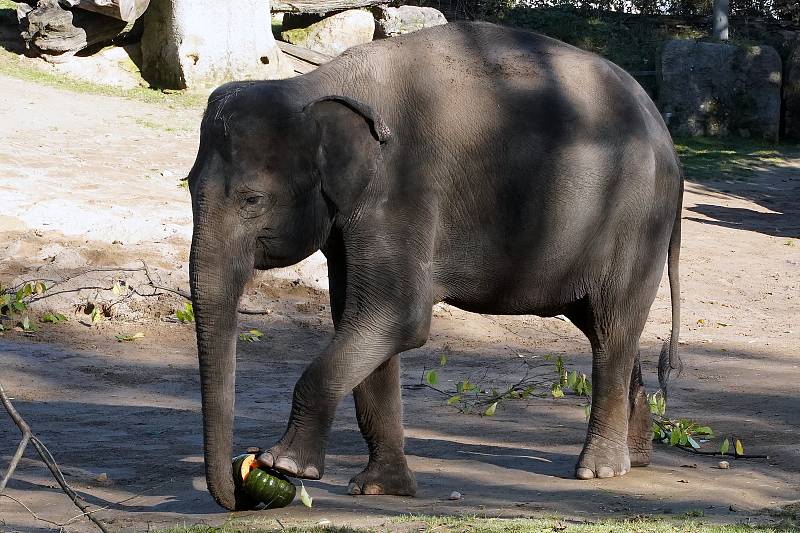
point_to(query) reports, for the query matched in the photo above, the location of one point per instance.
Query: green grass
(18, 67)
(410, 523)
(707, 158)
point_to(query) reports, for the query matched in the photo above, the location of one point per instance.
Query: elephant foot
(603, 458)
(390, 479)
(295, 458)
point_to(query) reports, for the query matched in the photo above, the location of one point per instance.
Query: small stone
(724, 465)
(455, 495)
(103, 479)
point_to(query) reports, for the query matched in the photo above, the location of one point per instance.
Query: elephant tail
(669, 359)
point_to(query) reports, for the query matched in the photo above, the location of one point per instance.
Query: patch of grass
(18, 67)
(648, 524)
(707, 158)
(473, 524)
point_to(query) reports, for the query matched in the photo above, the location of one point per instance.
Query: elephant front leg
(353, 355)
(301, 451)
(379, 410)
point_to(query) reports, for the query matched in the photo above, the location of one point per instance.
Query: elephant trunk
(217, 281)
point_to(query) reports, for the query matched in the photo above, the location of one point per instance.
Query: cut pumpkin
(268, 488)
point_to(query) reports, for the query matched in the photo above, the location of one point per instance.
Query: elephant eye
(254, 204)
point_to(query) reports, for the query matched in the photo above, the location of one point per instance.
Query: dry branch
(47, 459)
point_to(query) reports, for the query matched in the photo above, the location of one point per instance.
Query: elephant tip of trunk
(224, 498)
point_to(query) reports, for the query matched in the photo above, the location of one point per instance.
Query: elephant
(494, 169)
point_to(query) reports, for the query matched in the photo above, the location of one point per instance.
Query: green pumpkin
(266, 487)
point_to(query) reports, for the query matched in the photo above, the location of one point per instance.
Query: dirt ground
(92, 182)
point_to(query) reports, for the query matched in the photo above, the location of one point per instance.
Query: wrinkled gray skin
(496, 170)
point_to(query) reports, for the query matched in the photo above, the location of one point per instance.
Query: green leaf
(556, 391)
(491, 409)
(723, 449)
(704, 431)
(431, 377)
(452, 400)
(304, 496)
(39, 287)
(97, 314)
(26, 323)
(739, 447)
(692, 443)
(122, 337)
(674, 438)
(187, 314)
(53, 318)
(253, 335)
(587, 411)
(443, 360)
(572, 380)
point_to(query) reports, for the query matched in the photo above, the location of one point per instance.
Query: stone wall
(791, 96)
(721, 89)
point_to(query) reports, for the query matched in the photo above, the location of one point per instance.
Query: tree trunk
(127, 10)
(57, 34)
(203, 43)
(722, 10)
(321, 6)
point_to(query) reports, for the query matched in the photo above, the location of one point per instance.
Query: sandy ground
(91, 182)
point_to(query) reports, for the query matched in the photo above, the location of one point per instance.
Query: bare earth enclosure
(92, 182)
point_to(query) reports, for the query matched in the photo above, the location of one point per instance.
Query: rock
(791, 95)
(391, 21)
(203, 43)
(56, 33)
(724, 465)
(103, 480)
(335, 34)
(720, 89)
(455, 495)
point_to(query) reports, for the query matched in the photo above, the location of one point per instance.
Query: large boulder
(391, 21)
(721, 89)
(791, 95)
(333, 35)
(203, 43)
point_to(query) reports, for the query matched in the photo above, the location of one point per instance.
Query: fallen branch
(720, 454)
(144, 269)
(47, 459)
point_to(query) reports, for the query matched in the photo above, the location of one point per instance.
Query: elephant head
(272, 176)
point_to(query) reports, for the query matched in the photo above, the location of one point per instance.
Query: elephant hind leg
(613, 326)
(379, 411)
(640, 421)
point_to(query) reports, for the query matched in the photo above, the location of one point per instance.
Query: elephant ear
(350, 136)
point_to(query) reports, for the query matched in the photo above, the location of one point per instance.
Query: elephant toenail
(311, 472)
(266, 459)
(373, 489)
(287, 465)
(353, 489)
(584, 473)
(605, 472)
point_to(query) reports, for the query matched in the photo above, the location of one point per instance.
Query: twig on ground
(47, 459)
(150, 282)
(733, 455)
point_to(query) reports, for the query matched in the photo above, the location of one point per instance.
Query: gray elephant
(497, 170)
